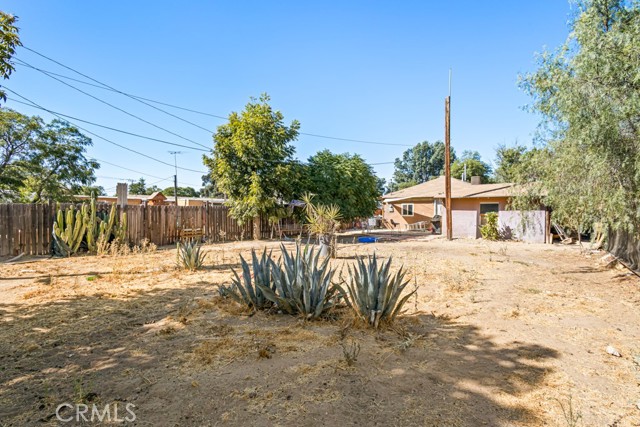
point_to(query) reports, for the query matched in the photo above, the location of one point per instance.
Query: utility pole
(175, 185)
(447, 161)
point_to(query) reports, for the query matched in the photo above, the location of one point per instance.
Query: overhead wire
(109, 127)
(105, 139)
(142, 100)
(113, 106)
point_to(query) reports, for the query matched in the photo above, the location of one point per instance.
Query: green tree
(418, 164)
(344, 180)
(9, 40)
(474, 164)
(252, 159)
(588, 93)
(182, 192)
(41, 162)
(139, 187)
(89, 190)
(508, 161)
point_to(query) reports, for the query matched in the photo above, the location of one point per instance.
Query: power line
(109, 127)
(142, 99)
(131, 95)
(115, 90)
(127, 169)
(103, 138)
(112, 106)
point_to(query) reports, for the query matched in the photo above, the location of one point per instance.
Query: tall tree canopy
(474, 164)
(9, 40)
(182, 192)
(508, 162)
(344, 180)
(40, 161)
(252, 159)
(588, 92)
(418, 164)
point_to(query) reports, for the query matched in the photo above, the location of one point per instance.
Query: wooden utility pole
(447, 160)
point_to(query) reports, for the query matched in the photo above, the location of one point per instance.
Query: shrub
(301, 283)
(249, 292)
(489, 231)
(189, 255)
(374, 293)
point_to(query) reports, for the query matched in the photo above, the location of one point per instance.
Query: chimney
(475, 180)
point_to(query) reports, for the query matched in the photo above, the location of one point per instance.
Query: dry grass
(495, 333)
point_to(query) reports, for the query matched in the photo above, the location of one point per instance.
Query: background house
(157, 199)
(422, 202)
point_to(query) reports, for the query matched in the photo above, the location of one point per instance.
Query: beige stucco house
(417, 205)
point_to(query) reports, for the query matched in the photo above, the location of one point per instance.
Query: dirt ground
(499, 334)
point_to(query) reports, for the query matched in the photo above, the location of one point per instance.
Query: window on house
(485, 208)
(407, 209)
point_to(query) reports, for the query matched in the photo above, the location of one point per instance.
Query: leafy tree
(381, 186)
(475, 167)
(9, 40)
(344, 180)
(139, 187)
(588, 93)
(18, 134)
(209, 188)
(508, 161)
(89, 190)
(182, 192)
(420, 163)
(252, 159)
(42, 162)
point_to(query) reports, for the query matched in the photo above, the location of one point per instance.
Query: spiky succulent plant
(301, 283)
(189, 255)
(374, 293)
(247, 291)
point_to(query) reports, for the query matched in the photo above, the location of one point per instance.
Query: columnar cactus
(68, 230)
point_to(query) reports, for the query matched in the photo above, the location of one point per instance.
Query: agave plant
(189, 255)
(301, 283)
(374, 293)
(248, 291)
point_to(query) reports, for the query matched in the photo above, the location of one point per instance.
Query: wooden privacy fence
(26, 228)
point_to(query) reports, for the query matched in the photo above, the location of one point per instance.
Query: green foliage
(374, 293)
(247, 291)
(344, 180)
(252, 160)
(490, 231)
(9, 40)
(190, 256)
(588, 94)
(509, 161)
(41, 162)
(301, 283)
(140, 187)
(100, 230)
(68, 230)
(418, 164)
(182, 192)
(475, 167)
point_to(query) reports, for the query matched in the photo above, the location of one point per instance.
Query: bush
(489, 231)
(374, 293)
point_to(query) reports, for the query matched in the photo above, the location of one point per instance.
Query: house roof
(435, 189)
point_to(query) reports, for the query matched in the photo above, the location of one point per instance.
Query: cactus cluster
(68, 230)
(72, 227)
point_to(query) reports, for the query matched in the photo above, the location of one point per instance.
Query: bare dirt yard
(499, 334)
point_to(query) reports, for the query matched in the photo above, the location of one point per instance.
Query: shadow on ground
(428, 371)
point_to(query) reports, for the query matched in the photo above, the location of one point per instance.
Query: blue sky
(366, 70)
